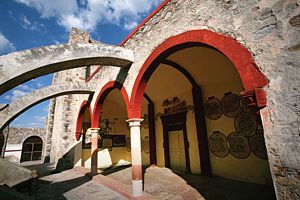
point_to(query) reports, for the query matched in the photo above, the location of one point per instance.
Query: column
(94, 149)
(136, 157)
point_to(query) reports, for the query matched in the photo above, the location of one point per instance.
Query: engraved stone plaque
(218, 144)
(239, 145)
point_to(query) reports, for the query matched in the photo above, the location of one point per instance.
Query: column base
(137, 188)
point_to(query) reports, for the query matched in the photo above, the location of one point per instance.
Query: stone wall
(270, 31)
(19, 135)
(63, 110)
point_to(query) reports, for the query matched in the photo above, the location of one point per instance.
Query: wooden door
(177, 150)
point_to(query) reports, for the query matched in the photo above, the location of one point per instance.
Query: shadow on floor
(217, 188)
(47, 190)
(113, 169)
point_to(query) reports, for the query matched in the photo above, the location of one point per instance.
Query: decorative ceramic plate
(246, 123)
(257, 143)
(218, 144)
(238, 145)
(213, 109)
(231, 105)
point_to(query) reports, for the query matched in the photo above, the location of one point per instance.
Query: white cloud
(89, 13)
(5, 45)
(130, 25)
(7, 97)
(30, 25)
(40, 119)
(16, 94)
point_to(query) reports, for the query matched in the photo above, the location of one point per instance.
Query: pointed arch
(106, 89)
(84, 105)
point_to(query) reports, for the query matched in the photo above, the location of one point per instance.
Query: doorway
(176, 149)
(176, 145)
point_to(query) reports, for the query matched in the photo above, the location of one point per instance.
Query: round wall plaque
(213, 109)
(218, 144)
(257, 143)
(231, 105)
(238, 145)
(246, 123)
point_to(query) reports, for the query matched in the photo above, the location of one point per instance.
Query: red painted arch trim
(145, 21)
(84, 105)
(108, 87)
(241, 58)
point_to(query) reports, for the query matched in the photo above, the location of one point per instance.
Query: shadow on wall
(1, 143)
(67, 160)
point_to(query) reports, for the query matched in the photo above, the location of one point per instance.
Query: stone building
(24, 145)
(213, 90)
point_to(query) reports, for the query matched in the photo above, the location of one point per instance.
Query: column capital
(92, 132)
(134, 122)
(94, 129)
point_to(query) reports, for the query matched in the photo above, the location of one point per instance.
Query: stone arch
(101, 97)
(21, 66)
(84, 105)
(22, 104)
(241, 58)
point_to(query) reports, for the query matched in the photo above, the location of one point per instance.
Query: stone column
(136, 157)
(94, 149)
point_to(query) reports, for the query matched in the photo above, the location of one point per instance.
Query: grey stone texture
(269, 29)
(19, 135)
(25, 102)
(12, 174)
(18, 67)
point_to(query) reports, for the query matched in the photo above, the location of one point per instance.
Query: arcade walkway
(160, 184)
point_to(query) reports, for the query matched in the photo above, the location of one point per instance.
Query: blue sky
(26, 24)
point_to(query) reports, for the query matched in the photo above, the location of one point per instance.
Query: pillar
(94, 149)
(136, 157)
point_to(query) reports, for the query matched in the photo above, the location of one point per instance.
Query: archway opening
(86, 143)
(203, 123)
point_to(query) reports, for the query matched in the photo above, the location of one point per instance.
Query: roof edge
(145, 21)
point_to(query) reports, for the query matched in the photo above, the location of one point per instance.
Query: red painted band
(145, 21)
(84, 105)
(136, 172)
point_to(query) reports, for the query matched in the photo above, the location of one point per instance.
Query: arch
(241, 58)
(101, 97)
(32, 149)
(84, 105)
(182, 70)
(21, 66)
(22, 104)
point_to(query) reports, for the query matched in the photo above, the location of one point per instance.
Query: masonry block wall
(63, 110)
(15, 139)
(270, 31)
